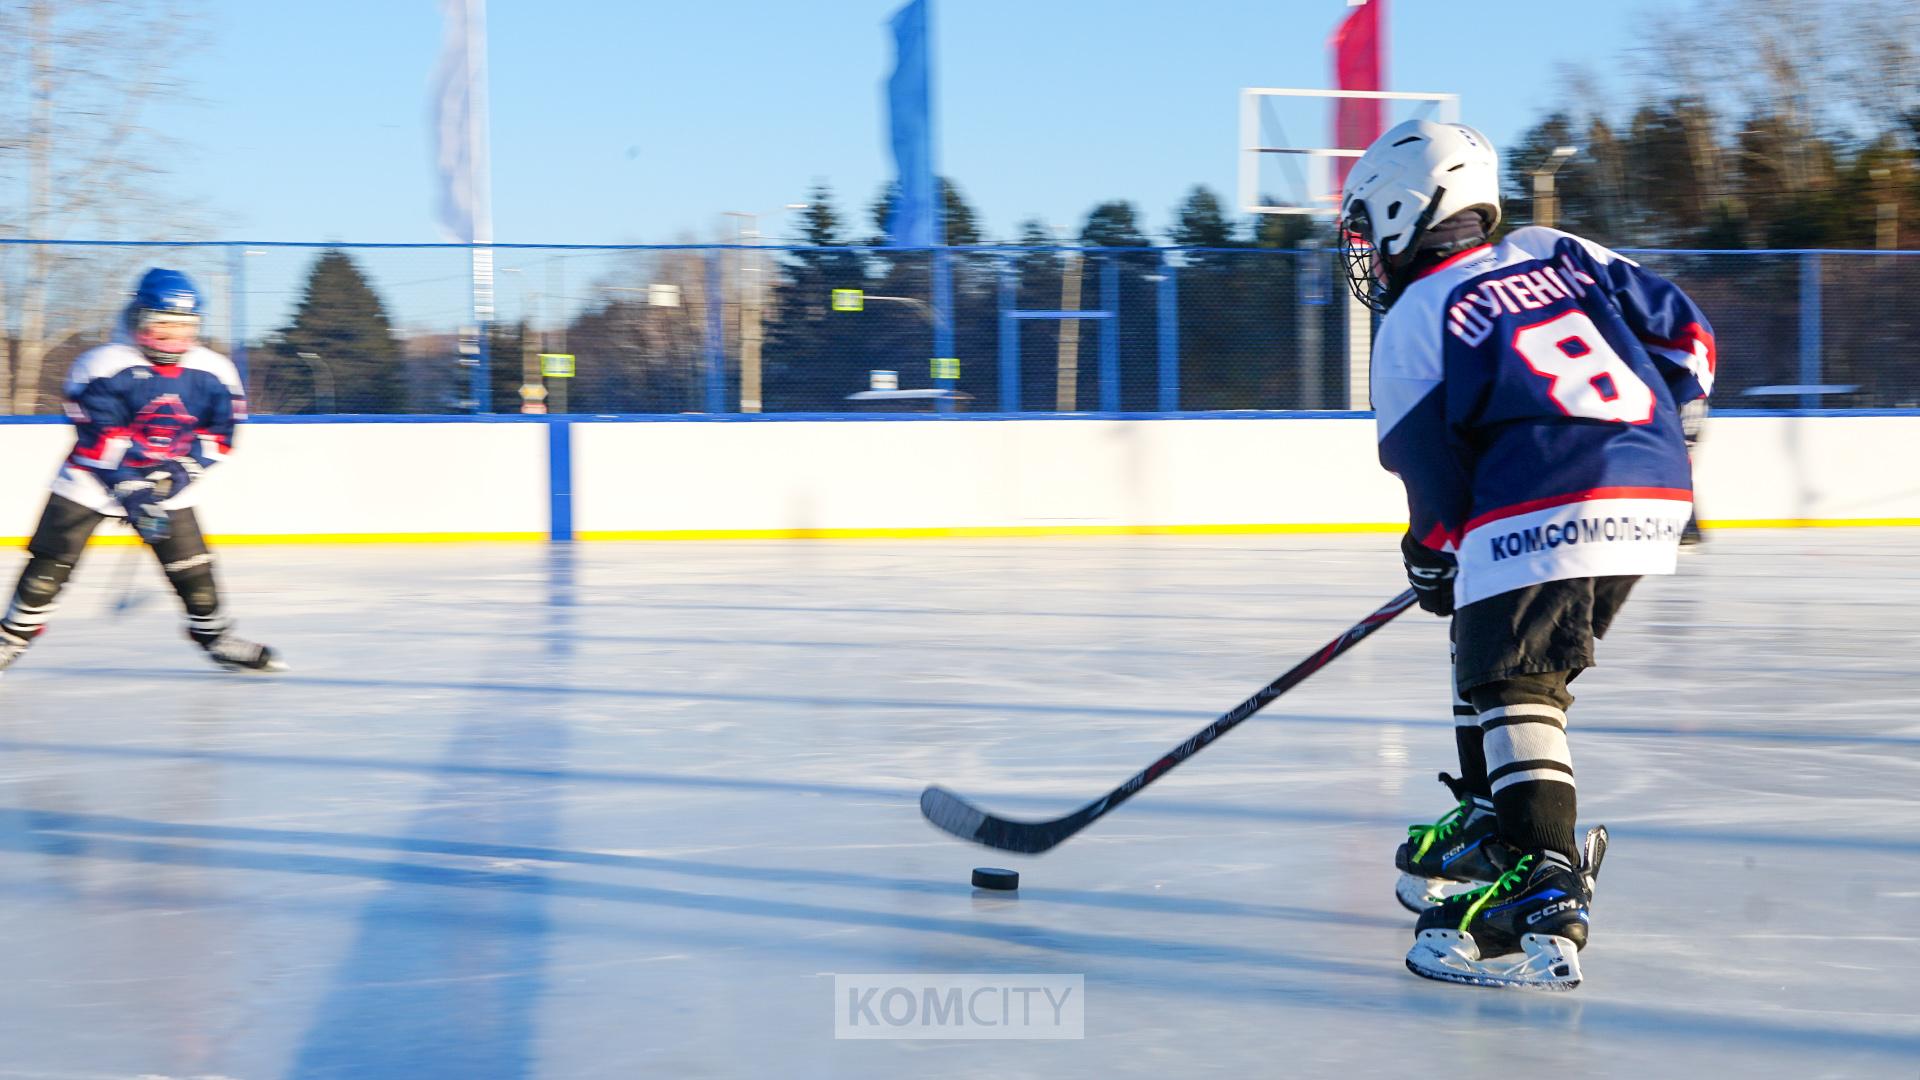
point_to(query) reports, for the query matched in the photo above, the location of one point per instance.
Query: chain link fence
(323, 329)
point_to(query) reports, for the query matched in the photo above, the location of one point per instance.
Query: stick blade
(952, 814)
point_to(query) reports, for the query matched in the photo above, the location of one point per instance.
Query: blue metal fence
(692, 329)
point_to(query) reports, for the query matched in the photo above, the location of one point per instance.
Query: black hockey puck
(988, 877)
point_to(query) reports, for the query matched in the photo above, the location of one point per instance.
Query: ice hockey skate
(1524, 931)
(238, 654)
(1460, 850)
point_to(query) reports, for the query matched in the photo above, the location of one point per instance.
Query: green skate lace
(1439, 830)
(1501, 886)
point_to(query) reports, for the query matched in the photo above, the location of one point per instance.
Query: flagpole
(942, 276)
(480, 187)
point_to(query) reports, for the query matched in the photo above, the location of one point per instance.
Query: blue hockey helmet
(164, 316)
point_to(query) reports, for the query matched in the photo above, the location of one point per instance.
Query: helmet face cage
(1361, 260)
(164, 336)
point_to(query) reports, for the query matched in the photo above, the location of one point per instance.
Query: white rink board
(29, 457)
(347, 479)
(986, 474)
(455, 479)
(1779, 468)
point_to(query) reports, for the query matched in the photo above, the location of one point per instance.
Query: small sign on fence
(556, 365)
(849, 300)
(946, 367)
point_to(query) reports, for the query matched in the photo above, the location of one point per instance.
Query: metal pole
(1169, 336)
(237, 308)
(530, 374)
(1809, 326)
(750, 322)
(1110, 336)
(943, 321)
(716, 356)
(1545, 201)
(1009, 340)
(1066, 376)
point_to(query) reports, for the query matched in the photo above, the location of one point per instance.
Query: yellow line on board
(1812, 523)
(955, 532)
(113, 540)
(958, 532)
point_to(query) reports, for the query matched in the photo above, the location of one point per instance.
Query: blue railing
(729, 329)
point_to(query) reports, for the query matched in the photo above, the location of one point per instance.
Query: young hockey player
(152, 411)
(1528, 394)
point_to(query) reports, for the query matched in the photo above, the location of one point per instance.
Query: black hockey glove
(1431, 574)
(141, 499)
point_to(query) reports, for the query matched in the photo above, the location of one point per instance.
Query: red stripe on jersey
(1691, 337)
(97, 453)
(1671, 494)
(1439, 538)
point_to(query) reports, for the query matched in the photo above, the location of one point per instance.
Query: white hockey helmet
(1416, 175)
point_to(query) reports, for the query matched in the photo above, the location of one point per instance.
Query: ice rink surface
(623, 810)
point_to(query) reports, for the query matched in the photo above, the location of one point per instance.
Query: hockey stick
(124, 586)
(953, 814)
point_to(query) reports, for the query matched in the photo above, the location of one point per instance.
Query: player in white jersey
(152, 412)
(1529, 395)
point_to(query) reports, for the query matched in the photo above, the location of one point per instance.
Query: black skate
(1462, 848)
(239, 654)
(1525, 930)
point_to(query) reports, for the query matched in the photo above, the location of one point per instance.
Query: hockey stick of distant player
(125, 599)
(953, 814)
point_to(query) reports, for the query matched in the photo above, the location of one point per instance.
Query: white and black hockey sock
(192, 578)
(1530, 771)
(1467, 739)
(34, 598)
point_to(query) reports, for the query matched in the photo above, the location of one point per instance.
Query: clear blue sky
(640, 122)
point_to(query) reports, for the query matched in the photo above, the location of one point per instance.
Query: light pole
(533, 390)
(1545, 202)
(319, 368)
(1886, 226)
(747, 230)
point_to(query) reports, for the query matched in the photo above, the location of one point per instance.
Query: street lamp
(1886, 226)
(1544, 200)
(747, 230)
(319, 368)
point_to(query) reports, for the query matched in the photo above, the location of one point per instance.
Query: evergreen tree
(1201, 221)
(962, 223)
(814, 356)
(1113, 224)
(342, 326)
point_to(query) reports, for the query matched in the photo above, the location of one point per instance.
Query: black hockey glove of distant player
(1431, 574)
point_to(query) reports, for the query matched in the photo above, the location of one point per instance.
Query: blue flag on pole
(915, 221)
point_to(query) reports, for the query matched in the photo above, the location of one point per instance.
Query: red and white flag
(1359, 48)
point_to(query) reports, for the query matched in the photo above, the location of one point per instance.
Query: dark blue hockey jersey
(131, 414)
(1527, 393)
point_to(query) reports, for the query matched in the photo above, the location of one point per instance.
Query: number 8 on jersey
(1588, 378)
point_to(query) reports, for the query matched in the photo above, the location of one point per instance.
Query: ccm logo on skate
(1555, 908)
